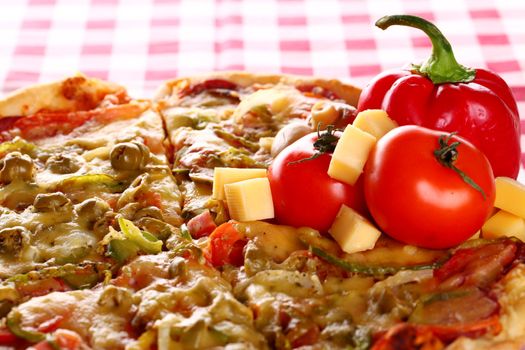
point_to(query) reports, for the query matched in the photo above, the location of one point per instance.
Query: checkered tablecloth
(140, 43)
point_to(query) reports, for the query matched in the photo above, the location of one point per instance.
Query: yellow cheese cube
(249, 200)
(510, 196)
(353, 232)
(223, 176)
(350, 155)
(504, 224)
(323, 113)
(375, 122)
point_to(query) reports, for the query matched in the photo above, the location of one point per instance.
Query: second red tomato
(416, 199)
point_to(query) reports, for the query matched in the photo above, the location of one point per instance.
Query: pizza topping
(18, 144)
(13, 321)
(91, 182)
(215, 85)
(91, 211)
(201, 225)
(127, 243)
(13, 239)
(375, 122)
(225, 246)
(353, 232)
(510, 196)
(52, 203)
(223, 176)
(16, 166)
(317, 91)
(63, 163)
(288, 135)
(129, 156)
(249, 200)
(323, 114)
(350, 155)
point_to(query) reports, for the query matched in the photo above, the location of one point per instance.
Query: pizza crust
(71, 94)
(347, 92)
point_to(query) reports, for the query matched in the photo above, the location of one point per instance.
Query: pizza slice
(71, 165)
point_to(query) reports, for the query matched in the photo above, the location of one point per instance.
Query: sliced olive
(13, 239)
(115, 297)
(129, 156)
(63, 164)
(16, 166)
(90, 211)
(52, 202)
(151, 211)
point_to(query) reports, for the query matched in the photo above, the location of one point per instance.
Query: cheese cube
(375, 122)
(323, 113)
(353, 232)
(223, 176)
(350, 155)
(504, 224)
(510, 196)
(249, 200)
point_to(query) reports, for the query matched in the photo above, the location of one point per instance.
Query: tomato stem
(447, 154)
(325, 143)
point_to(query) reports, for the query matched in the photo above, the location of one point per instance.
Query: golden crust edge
(345, 91)
(82, 91)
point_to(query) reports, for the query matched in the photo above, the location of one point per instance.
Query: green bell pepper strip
(144, 240)
(369, 270)
(13, 321)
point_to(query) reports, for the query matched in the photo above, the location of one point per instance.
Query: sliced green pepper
(122, 249)
(19, 145)
(85, 269)
(144, 240)
(130, 241)
(235, 140)
(369, 270)
(102, 182)
(13, 321)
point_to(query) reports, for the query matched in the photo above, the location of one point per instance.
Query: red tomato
(225, 246)
(6, 337)
(63, 339)
(303, 193)
(417, 200)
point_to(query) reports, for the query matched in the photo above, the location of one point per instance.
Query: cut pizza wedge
(71, 165)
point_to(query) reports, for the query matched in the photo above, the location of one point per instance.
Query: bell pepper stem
(441, 67)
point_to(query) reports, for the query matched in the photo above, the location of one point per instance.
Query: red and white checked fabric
(140, 43)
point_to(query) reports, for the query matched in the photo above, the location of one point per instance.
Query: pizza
(117, 232)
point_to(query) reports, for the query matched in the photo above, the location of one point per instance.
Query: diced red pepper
(42, 287)
(201, 225)
(51, 324)
(6, 337)
(64, 339)
(225, 246)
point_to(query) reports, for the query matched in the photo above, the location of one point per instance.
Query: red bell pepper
(441, 94)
